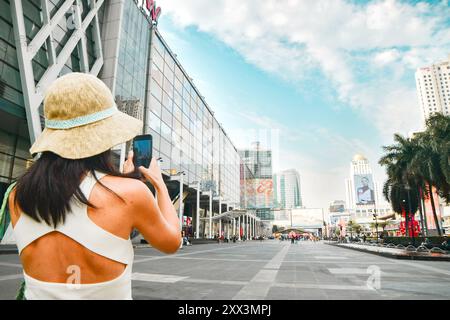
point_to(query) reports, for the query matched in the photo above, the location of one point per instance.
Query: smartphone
(142, 149)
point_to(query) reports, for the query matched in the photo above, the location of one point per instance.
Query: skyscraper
(433, 88)
(259, 162)
(360, 188)
(287, 191)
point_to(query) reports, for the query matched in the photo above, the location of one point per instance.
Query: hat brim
(89, 140)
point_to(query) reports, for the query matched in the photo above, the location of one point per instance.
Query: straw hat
(82, 120)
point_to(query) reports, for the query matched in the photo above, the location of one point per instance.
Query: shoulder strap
(3, 210)
(89, 182)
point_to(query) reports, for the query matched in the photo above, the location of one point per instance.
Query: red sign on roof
(150, 9)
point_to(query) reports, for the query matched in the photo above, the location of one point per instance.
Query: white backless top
(79, 227)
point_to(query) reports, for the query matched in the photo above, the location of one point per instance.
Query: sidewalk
(393, 252)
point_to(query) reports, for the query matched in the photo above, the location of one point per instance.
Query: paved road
(270, 270)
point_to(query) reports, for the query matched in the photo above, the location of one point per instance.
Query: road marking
(352, 271)
(340, 262)
(153, 277)
(330, 257)
(15, 265)
(210, 281)
(260, 284)
(11, 277)
(321, 286)
(183, 254)
(417, 264)
(219, 259)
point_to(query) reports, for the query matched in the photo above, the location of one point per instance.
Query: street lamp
(407, 187)
(375, 215)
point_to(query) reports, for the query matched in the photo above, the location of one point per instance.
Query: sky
(317, 81)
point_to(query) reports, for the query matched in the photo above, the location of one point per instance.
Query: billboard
(365, 193)
(263, 193)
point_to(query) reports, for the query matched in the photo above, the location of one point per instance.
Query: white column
(239, 228)
(247, 225)
(197, 225)
(210, 214)
(220, 228)
(234, 227)
(180, 213)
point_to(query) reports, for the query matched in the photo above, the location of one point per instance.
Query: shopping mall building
(118, 41)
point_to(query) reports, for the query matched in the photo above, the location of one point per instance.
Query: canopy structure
(232, 214)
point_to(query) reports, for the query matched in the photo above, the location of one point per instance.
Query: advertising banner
(364, 186)
(264, 193)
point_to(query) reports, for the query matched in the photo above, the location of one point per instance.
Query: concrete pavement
(270, 270)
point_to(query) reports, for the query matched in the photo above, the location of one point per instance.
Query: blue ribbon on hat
(80, 121)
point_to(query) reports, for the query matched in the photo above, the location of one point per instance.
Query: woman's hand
(128, 166)
(153, 174)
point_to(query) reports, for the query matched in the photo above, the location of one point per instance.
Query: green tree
(402, 184)
(414, 166)
(352, 226)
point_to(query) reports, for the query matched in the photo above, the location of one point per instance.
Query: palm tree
(432, 162)
(437, 138)
(420, 164)
(401, 176)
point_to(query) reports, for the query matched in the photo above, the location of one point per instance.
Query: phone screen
(142, 149)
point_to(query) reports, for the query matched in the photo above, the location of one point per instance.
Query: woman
(72, 212)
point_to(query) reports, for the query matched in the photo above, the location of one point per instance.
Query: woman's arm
(156, 221)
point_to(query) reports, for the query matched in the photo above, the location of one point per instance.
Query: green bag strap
(5, 202)
(21, 292)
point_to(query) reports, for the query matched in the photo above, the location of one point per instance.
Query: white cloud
(386, 57)
(289, 38)
(363, 51)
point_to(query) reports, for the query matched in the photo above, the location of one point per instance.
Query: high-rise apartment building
(433, 88)
(287, 191)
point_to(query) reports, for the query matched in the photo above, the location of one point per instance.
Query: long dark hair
(45, 190)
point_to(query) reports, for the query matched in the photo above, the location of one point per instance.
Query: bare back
(48, 258)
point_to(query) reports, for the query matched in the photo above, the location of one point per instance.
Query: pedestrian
(72, 211)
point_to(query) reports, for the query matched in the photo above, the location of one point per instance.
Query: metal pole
(412, 220)
(197, 226)
(210, 213)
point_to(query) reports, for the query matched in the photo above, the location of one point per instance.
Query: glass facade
(287, 189)
(149, 84)
(132, 63)
(186, 135)
(14, 137)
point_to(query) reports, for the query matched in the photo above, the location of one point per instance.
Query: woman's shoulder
(126, 186)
